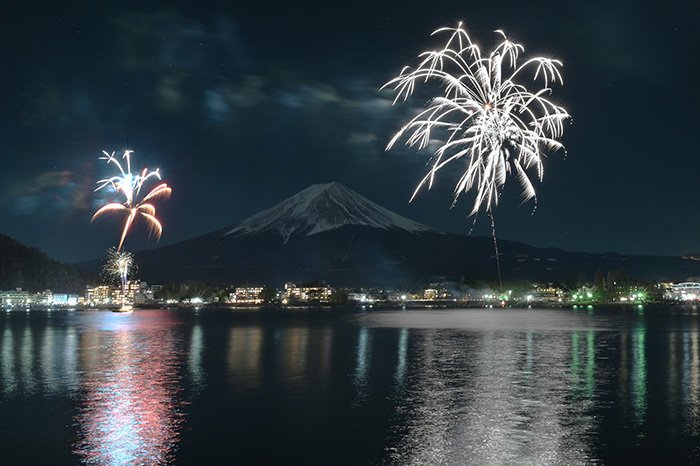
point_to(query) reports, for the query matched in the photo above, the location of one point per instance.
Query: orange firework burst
(130, 186)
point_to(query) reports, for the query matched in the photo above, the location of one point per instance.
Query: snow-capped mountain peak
(324, 207)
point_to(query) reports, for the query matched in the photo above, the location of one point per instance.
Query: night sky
(243, 104)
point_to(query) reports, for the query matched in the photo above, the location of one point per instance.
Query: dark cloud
(46, 192)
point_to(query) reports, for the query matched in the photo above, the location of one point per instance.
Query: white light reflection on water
(691, 380)
(363, 359)
(293, 355)
(7, 362)
(194, 360)
(673, 377)
(245, 356)
(479, 394)
(130, 411)
(401, 357)
(42, 361)
(70, 374)
(48, 358)
(26, 360)
(326, 350)
(58, 361)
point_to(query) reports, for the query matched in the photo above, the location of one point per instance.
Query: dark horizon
(242, 106)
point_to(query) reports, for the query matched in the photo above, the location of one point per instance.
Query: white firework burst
(483, 115)
(119, 266)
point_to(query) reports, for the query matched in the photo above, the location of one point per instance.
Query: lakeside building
(446, 290)
(15, 298)
(306, 294)
(686, 291)
(136, 292)
(377, 295)
(373, 295)
(357, 296)
(633, 294)
(247, 295)
(21, 298)
(583, 294)
(549, 293)
(397, 296)
(62, 299)
(98, 295)
(437, 292)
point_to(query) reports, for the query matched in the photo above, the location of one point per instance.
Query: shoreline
(376, 306)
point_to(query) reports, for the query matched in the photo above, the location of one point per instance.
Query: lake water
(614, 385)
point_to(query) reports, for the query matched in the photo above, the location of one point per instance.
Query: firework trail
(483, 116)
(130, 185)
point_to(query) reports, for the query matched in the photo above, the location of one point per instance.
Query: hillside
(27, 268)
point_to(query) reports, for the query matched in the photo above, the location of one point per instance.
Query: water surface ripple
(480, 386)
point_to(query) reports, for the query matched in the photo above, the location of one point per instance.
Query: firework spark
(130, 186)
(483, 114)
(118, 266)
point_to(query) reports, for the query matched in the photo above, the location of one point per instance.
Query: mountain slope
(324, 207)
(328, 232)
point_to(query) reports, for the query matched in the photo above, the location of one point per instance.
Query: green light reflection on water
(583, 378)
(639, 374)
(575, 360)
